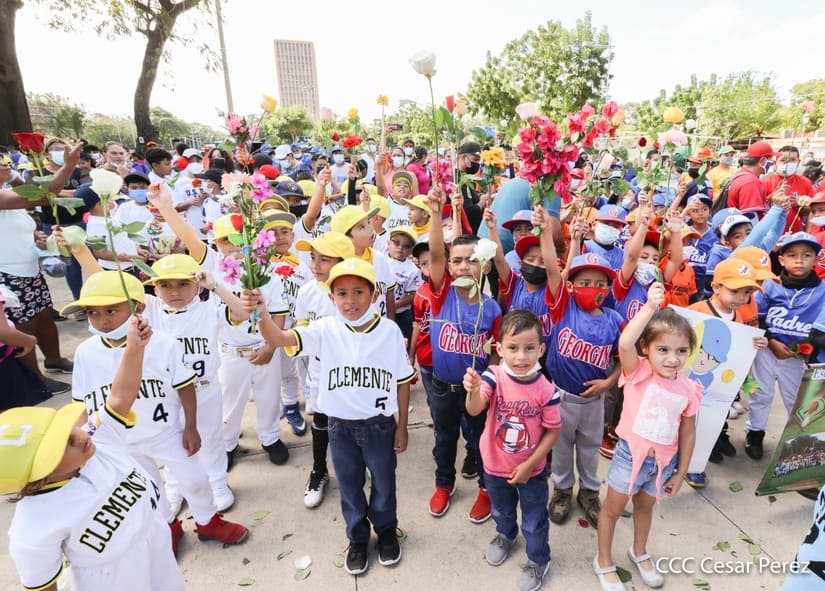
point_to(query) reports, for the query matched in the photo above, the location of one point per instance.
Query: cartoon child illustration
(715, 340)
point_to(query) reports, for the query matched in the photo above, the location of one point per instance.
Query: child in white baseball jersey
(419, 216)
(167, 390)
(313, 304)
(406, 275)
(360, 399)
(245, 356)
(83, 497)
(354, 222)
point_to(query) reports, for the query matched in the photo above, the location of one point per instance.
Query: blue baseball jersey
(789, 314)
(819, 324)
(718, 253)
(518, 297)
(615, 255)
(628, 298)
(582, 345)
(698, 255)
(452, 332)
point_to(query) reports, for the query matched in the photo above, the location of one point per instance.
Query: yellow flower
(382, 100)
(269, 103)
(461, 107)
(673, 115)
(352, 113)
(493, 158)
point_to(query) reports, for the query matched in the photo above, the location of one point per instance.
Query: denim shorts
(618, 476)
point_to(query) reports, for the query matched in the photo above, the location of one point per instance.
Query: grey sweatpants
(582, 427)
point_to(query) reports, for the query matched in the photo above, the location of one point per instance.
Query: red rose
(450, 103)
(656, 145)
(335, 137)
(237, 221)
(805, 349)
(610, 109)
(180, 163)
(29, 142)
(642, 142)
(285, 271)
(197, 183)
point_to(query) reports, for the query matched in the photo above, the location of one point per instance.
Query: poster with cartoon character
(720, 363)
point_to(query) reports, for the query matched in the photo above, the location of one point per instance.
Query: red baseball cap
(269, 171)
(525, 244)
(760, 150)
(819, 196)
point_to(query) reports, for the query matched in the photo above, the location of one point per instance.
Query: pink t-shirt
(518, 415)
(653, 409)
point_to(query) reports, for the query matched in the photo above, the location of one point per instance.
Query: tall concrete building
(297, 75)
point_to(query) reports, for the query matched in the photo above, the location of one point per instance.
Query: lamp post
(224, 63)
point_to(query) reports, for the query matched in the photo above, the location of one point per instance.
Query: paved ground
(447, 553)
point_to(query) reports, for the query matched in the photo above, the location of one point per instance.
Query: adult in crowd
(418, 167)
(217, 158)
(117, 155)
(722, 171)
(745, 191)
(786, 173)
(385, 169)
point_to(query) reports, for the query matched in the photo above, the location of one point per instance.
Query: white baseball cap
(282, 151)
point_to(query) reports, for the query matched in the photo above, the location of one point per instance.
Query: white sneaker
(224, 498)
(314, 492)
(733, 413)
(175, 502)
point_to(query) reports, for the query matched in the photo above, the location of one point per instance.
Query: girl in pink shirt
(657, 431)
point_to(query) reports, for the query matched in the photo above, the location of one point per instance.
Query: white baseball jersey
(407, 278)
(398, 215)
(289, 279)
(313, 304)
(381, 240)
(184, 191)
(96, 228)
(105, 521)
(360, 371)
(384, 279)
(158, 405)
(301, 233)
(242, 335)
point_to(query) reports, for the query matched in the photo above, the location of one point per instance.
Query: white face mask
(645, 273)
(366, 317)
(408, 151)
(509, 371)
(726, 160)
(818, 220)
(338, 158)
(114, 334)
(371, 148)
(56, 156)
(605, 235)
(787, 168)
(297, 156)
(654, 164)
(627, 204)
(194, 168)
(398, 161)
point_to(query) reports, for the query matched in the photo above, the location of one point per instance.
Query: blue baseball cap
(523, 216)
(800, 238)
(336, 148)
(612, 213)
(295, 147)
(591, 260)
(701, 197)
(720, 216)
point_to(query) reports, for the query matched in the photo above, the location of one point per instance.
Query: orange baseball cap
(758, 259)
(735, 273)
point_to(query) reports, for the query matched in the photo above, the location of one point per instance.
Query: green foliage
(55, 115)
(740, 106)
(285, 125)
(811, 90)
(560, 69)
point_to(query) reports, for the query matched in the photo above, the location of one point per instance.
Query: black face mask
(473, 168)
(693, 173)
(298, 210)
(217, 163)
(532, 274)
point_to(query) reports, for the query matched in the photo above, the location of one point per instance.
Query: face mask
(207, 189)
(372, 148)
(368, 315)
(139, 195)
(606, 235)
(654, 164)
(408, 151)
(473, 168)
(818, 220)
(194, 168)
(56, 156)
(589, 298)
(574, 184)
(298, 210)
(297, 156)
(397, 161)
(533, 274)
(787, 168)
(338, 158)
(97, 157)
(113, 335)
(726, 160)
(645, 273)
(627, 204)
(508, 370)
(193, 302)
(693, 173)
(217, 163)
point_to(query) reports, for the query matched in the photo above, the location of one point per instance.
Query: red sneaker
(176, 528)
(608, 447)
(482, 508)
(440, 501)
(223, 531)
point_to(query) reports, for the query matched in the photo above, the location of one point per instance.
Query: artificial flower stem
(107, 222)
(435, 126)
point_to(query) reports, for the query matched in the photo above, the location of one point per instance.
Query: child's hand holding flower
(206, 280)
(472, 381)
(655, 296)
(252, 300)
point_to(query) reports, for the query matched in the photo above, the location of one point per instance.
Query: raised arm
(316, 202)
(160, 197)
(84, 256)
(541, 219)
(126, 384)
(502, 266)
(438, 260)
(275, 335)
(675, 223)
(628, 356)
(633, 250)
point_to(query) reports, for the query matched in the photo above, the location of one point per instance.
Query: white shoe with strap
(652, 578)
(607, 570)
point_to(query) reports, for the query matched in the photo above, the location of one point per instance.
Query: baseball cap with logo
(758, 259)
(721, 215)
(731, 221)
(612, 213)
(800, 238)
(356, 267)
(526, 243)
(348, 216)
(289, 189)
(277, 219)
(104, 288)
(282, 151)
(383, 205)
(174, 266)
(591, 260)
(32, 443)
(522, 216)
(735, 273)
(330, 244)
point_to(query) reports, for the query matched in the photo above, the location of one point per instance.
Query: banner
(720, 363)
(799, 460)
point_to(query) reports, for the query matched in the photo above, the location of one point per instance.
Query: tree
(561, 69)
(14, 114)
(103, 128)
(286, 124)
(740, 106)
(53, 115)
(154, 19)
(810, 90)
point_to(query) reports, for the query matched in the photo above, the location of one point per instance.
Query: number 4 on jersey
(160, 414)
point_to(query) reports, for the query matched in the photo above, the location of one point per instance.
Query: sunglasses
(402, 244)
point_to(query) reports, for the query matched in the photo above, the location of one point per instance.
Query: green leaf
(626, 513)
(300, 575)
(51, 245)
(284, 554)
(771, 499)
(755, 549)
(701, 584)
(480, 134)
(235, 239)
(133, 227)
(438, 116)
(96, 243)
(338, 561)
(245, 561)
(285, 536)
(30, 192)
(74, 235)
(137, 238)
(246, 582)
(735, 486)
(624, 575)
(722, 546)
(473, 291)
(746, 538)
(69, 203)
(258, 515)
(488, 346)
(147, 270)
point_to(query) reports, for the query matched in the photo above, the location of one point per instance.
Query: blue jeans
(449, 417)
(426, 373)
(354, 446)
(535, 520)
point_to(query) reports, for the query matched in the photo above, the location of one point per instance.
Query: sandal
(601, 571)
(652, 578)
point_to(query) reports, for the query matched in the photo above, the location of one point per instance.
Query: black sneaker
(57, 317)
(278, 453)
(753, 444)
(62, 366)
(55, 386)
(716, 456)
(230, 458)
(724, 445)
(469, 469)
(356, 561)
(389, 550)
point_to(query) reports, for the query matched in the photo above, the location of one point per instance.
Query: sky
(362, 50)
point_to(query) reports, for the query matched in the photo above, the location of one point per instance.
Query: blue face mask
(139, 195)
(114, 334)
(368, 315)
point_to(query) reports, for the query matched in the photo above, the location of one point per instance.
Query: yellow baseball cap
(307, 186)
(174, 266)
(419, 201)
(354, 266)
(33, 441)
(408, 231)
(735, 273)
(331, 244)
(283, 178)
(371, 189)
(348, 216)
(222, 227)
(383, 205)
(277, 219)
(758, 259)
(273, 201)
(104, 289)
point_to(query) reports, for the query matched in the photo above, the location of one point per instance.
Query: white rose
(690, 124)
(105, 183)
(423, 62)
(484, 251)
(526, 110)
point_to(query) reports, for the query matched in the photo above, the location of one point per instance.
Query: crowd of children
(577, 356)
